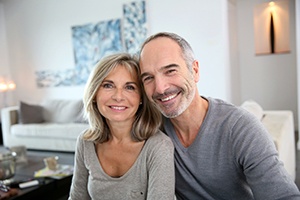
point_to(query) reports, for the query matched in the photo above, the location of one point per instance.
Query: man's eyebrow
(169, 66)
(161, 69)
(144, 74)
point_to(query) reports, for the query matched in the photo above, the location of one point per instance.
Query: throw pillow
(80, 118)
(254, 108)
(30, 114)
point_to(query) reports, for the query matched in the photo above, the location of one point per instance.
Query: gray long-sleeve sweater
(151, 176)
(232, 157)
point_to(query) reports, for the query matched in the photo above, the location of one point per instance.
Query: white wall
(233, 54)
(4, 69)
(39, 37)
(204, 25)
(297, 8)
(271, 80)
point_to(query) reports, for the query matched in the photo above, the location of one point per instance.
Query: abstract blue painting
(135, 27)
(93, 41)
(51, 78)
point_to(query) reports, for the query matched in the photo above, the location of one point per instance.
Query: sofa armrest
(280, 124)
(9, 117)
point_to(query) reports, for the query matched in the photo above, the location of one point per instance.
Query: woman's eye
(107, 85)
(130, 87)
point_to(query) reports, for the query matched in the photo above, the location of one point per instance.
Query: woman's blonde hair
(147, 119)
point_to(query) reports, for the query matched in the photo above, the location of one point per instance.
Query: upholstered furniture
(51, 125)
(280, 124)
(55, 125)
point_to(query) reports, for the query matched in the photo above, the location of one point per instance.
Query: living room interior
(36, 37)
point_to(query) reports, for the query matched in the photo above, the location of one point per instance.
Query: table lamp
(5, 86)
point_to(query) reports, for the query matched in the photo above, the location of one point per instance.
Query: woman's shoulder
(160, 138)
(82, 141)
(158, 146)
(81, 136)
(159, 135)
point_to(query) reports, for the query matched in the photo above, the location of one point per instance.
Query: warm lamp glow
(7, 85)
(11, 86)
(272, 27)
(272, 6)
(3, 87)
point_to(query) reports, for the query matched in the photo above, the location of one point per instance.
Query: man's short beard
(181, 108)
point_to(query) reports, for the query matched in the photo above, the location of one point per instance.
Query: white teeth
(169, 98)
(118, 108)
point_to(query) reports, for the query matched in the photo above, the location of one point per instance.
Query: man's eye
(147, 79)
(170, 71)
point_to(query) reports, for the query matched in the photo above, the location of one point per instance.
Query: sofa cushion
(30, 113)
(48, 130)
(254, 108)
(62, 111)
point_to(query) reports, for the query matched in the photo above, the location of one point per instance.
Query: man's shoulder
(220, 105)
(219, 102)
(223, 110)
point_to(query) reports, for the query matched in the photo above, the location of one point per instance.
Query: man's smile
(168, 97)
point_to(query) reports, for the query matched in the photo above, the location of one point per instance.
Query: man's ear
(196, 71)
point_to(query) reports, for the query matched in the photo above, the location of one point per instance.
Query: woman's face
(119, 96)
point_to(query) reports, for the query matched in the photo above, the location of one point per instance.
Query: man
(221, 151)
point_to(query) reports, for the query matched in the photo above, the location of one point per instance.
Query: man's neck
(187, 125)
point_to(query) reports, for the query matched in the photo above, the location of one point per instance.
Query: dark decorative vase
(272, 34)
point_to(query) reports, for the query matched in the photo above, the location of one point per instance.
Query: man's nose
(160, 85)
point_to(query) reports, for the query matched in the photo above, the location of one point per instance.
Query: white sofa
(52, 125)
(280, 124)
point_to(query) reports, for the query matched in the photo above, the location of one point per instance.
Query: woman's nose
(118, 95)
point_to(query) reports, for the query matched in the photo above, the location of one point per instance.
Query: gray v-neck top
(232, 157)
(150, 177)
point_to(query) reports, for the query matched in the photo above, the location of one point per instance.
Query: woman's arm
(79, 186)
(161, 183)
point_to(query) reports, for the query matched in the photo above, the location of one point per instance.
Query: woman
(123, 155)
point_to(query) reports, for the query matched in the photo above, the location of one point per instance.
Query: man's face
(167, 80)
